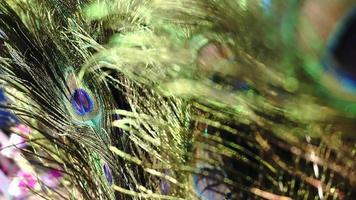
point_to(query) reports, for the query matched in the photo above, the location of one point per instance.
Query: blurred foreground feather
(178, 99)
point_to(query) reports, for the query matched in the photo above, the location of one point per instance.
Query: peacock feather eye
(107, 173)
(210, 187)
(165, 185)
(340, 56)
(7, 119)
(329, 59)
(82, 102)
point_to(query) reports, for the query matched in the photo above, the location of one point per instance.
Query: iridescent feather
(185, 99)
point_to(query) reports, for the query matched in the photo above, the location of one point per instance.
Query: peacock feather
(183, 99)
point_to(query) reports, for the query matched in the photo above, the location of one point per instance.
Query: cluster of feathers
(175, 99)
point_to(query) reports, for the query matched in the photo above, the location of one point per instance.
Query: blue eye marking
(7, 119)
(82, 102)
(165, 184)
(2, 96)
(341, 50)
(107, 173)
(208, 188)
